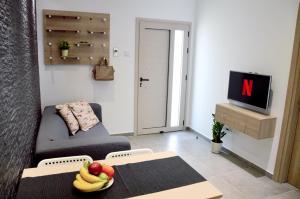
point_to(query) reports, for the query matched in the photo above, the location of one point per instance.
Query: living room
(220, 38)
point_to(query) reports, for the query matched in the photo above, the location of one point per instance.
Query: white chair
(64, 160)
(128, 153)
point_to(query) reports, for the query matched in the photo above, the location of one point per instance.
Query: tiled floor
(235, 179)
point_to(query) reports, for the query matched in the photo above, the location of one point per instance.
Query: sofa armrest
(97, 110)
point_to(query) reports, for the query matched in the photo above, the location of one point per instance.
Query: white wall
(63, 83)
(242, 35)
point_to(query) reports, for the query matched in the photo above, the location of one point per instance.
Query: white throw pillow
(84, 114)
(69, 118)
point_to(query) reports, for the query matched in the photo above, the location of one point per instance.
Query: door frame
(291, 112)
(136, 68)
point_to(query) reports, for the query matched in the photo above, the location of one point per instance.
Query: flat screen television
(250, 90)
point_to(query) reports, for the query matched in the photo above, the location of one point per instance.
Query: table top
(199, 190)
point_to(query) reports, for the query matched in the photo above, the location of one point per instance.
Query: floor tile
(288, 195)
(235, 178)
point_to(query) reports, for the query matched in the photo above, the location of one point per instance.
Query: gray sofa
(54, 139)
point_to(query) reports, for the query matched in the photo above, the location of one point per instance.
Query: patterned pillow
(84, 115)
(69, 118)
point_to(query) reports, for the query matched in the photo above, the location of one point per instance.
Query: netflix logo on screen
(249, 88)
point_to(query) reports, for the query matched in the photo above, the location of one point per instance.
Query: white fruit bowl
(108, 185)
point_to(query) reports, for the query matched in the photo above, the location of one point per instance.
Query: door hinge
(189, 34)
(185, 77)
(183, 122)
(188, 50)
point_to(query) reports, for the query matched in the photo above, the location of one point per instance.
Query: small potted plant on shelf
(64, 47)
(218, 133)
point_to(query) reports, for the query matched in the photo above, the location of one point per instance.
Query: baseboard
(198, 134)
(123, 134)
(227, 151)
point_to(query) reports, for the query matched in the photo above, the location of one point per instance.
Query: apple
(103, 176)
(95, 168)
(108, 170)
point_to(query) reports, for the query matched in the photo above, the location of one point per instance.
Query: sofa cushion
(95, 146)
(84, 115)
(98, 130)
(68, 117)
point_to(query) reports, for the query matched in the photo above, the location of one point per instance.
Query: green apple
(103, 176)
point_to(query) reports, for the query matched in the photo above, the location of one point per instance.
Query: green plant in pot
(217, 133)
(64, 47)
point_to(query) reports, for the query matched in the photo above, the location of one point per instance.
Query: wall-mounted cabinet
(254, 124)
(88, 35)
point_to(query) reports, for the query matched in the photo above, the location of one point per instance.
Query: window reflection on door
(177, 77)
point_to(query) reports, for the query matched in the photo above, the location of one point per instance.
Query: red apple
(95, 168)
(108, 170)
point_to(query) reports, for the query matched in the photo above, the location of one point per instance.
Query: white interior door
(154, 50)
(162, 69)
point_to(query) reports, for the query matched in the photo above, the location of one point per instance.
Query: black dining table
(132, 179)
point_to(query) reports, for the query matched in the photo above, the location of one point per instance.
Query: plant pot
(64, 53)
(216, 147)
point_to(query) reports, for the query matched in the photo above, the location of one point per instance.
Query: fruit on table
(108, 170)
(84, 173)
(93, 177)
(103, 176)
(86, 164)
(80, 179)
(88, 187)
(95, 168)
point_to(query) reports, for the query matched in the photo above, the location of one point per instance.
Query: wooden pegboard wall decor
(87, 33)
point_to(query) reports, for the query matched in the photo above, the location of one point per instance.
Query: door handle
(144, 80)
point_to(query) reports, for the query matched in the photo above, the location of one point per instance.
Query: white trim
(120, 154)
(64, 160)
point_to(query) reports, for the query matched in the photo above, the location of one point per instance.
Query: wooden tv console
(254, 124)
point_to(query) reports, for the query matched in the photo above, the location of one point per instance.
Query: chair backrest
(128, 153)
(64, 160)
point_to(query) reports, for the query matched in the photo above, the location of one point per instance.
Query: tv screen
(249, 88)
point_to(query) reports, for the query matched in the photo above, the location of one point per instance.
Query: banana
(84, 173)
(79, 178)
(87, 187)
(86, 164)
